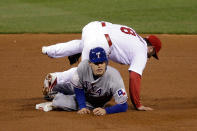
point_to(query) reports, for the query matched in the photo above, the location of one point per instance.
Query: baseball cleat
(46, 106)
(44, 50)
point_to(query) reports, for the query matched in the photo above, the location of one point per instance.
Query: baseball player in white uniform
(121, 43)
(93, 85)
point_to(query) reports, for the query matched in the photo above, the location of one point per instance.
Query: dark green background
(69, 16)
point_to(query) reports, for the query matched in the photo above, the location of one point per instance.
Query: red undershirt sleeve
(134, 88)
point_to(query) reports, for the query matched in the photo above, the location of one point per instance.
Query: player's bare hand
(99, 111)
(143, 108)
(83, 111)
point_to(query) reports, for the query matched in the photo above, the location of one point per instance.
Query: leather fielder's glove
(74, 58)
(49, 83)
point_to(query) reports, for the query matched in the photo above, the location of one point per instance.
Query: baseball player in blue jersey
(93, 84)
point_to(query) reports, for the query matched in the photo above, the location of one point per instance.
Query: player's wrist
(82, 106)
(106, 111)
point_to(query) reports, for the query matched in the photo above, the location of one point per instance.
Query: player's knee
(64, 102)
(57, 101)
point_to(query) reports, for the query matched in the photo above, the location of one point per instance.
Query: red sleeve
(134, 88)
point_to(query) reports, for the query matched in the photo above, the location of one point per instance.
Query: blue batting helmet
(97, 55)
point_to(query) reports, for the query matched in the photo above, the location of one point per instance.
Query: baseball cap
(155, 41)
(97, 55)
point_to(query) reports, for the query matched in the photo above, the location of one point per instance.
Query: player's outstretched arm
(80, 97)
(134, 91)
(117, 108)
(80, 94)
(110, 110)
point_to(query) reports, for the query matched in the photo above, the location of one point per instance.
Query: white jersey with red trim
(121, 43)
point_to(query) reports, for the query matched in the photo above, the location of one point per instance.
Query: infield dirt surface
(168, 86)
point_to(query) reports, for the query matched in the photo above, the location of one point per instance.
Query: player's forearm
(134, 88)
(80, 97)
(117, 108)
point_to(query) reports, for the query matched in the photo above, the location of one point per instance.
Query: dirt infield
(168, 86)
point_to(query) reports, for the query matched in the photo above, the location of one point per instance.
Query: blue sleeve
(117, 108)
(80, 96)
